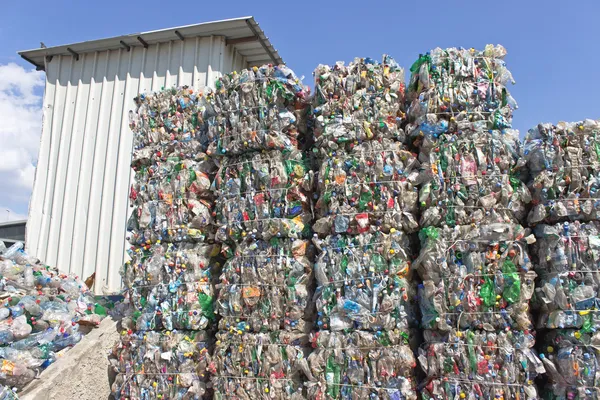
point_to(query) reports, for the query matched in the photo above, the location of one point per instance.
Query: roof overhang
(244, 33)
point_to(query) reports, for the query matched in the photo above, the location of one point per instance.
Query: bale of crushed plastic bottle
(364, 282)
(472, 177)
(40, 314)
(170, 286)
(451, 89)
(360, 102)
(161, 365)
(267, 286)
(263, 108)
(371, 188)
(264, 195)
(476, 277)
(568, 292)
(572, 361)
(360, 365)
(478, 364)
(258, 366)
(563, 162)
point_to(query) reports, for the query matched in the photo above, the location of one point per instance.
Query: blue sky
(553, 49)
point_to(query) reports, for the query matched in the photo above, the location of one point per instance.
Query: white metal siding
(79, 206)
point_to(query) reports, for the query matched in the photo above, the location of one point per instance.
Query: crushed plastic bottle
(170, 286)
(372, 187)
(360, 102)
(40, 314)
(267, 286)
(259, 366)
(567, 294)
(7, 393)
(564, 165)
(476, 277)
(263, 108)
(364, 282)
(572, 361)
(161, 365)
(264, 195)
(478, 364)
(450, 89)
(360, 365)
(472, 177)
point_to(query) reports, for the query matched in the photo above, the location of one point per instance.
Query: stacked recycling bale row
(564, 165)
(477, 274)
(366, 208)
(164, 349)
(263, 216)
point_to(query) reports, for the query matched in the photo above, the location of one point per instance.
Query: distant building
(12, 232)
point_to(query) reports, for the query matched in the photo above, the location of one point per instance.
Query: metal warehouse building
(79, 206)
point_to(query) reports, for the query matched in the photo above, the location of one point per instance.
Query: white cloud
(20, 130)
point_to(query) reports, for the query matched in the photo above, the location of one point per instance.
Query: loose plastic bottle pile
(366, 207)
(274, 245)
(563, 162)
(474, 260)
(41, 315)
(164, 349)
(263, 212)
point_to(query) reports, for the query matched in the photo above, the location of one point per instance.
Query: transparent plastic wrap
(170, 122)
(364, 282)
(568, 292)
(157, 365)
(259, 366)
(572, 362)
(170, 286)
(177, 220)
(263, 108)
(360, 365)
(359, 102)
(475, 277)
(474, 177)
(479, 363)
(373, 187)
(455, 87)
(267, 286)
(262, 195)
(564, 167)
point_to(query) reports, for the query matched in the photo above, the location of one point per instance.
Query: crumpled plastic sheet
(259, 365)
(7, 393)
(364, 282)
(267, 286)
(568, 293)
(360, 365)
(373, 187)
(262, 195)
(171, 122)
(263, 108)
(572, 362)
(169, 286)
(474, 177)
(161, 365)
(40, 314)
(476, 277)
(459, 87)
(564, 166)
(477, 364)
(359, 102)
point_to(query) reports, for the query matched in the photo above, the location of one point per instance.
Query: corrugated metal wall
(79, 206)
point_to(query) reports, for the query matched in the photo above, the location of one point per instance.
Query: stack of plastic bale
(164, 348)
(41, 313)
(263, 212)
(564, 166)
(474, 261)
(366, 209)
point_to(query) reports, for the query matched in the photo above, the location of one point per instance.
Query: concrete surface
(81, 373)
